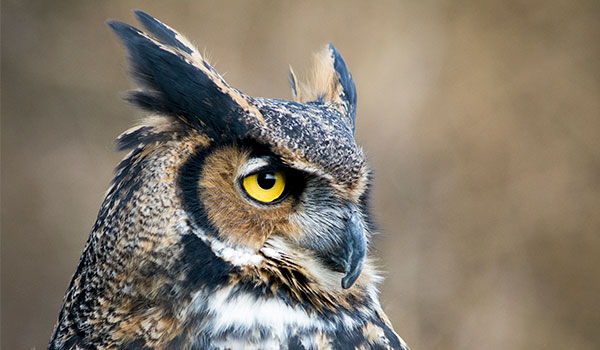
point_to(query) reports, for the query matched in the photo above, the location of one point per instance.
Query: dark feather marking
(188, 183)
(364, 203)
(75, 340)
(347, 339)
(150, 101)
(293, 84)
(294, 343)
(138, 344)
(142, 136)
(390, 335)
(203, 266)
(131, 140)
(178, 342)
(379, 347)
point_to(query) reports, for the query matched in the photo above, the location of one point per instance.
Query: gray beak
(356, 248)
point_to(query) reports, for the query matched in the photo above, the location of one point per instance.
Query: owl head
(271, 187)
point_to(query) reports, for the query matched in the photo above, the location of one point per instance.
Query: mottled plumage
(235, 222)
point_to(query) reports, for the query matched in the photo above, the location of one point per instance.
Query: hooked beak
(356, 248)
(349, 258)
(343, 247)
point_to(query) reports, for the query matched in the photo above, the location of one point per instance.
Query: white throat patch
(235, 255)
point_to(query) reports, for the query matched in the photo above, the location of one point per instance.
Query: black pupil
(266, 180)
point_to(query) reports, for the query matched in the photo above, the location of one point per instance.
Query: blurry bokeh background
(481, 120)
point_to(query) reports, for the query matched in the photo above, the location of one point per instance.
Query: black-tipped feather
(161, 31)
(150, 101)
(348, 86)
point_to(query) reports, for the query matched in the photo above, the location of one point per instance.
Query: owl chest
(246, 322)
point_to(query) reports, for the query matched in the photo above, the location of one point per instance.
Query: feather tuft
(328, 81)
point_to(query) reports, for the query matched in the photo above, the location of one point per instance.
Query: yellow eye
(266, 186)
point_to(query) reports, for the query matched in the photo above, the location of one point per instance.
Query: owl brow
(253, 165)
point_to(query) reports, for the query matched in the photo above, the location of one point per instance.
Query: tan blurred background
(481, 119)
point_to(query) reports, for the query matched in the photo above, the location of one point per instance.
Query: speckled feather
(180, 258)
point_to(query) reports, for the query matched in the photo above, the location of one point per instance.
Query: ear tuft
(176, 80)
(328, 81)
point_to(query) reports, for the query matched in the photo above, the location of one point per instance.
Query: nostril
(352, 212)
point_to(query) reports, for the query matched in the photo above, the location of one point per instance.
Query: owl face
(260, 181)
(253, 201)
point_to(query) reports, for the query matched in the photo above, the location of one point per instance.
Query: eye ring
(266, 186)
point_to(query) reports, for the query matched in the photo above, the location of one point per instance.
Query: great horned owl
(235, 222)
